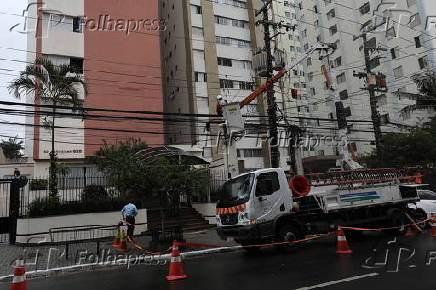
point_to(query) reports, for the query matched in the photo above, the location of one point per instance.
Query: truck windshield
(236, 191)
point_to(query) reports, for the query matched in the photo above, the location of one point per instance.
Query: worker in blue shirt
(129, 212)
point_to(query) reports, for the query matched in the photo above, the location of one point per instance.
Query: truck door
(267, 201)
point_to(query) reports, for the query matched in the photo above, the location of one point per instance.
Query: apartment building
(208, 51)
(406, 46)
(115, 45)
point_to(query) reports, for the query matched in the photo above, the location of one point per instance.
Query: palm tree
(55, 85)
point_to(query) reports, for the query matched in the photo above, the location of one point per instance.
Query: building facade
(208, 51)
(403, 45)
(115, 45)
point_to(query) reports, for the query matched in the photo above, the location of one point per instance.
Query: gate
(4, 210)
(10, 207)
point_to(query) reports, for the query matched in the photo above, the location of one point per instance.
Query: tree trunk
(53, 183)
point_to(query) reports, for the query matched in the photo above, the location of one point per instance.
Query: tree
(12, 148)
(147, 178)
(426, 83)
(55, 85)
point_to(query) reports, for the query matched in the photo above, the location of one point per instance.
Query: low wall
(207, 210)
(34, 226)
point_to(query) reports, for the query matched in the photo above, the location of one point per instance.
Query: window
(196, 9)
(395, 52)
(338, 62)
(238, 23)
(417, 42)
(226, 84)
(224, 61)
(347, 112)
(331, 14)
(288, 14)
(365, 8)
(333, 29)
(312, 91)
(221, 20)
(341, 78)
(78, 24)
(253, 153)
(309, 61)
(427, 194)
(423, 62)
(398, 72)
(343, 95)
(77, 64)
(415, 20)
(200, 77)
(267, 184)
(246, 86)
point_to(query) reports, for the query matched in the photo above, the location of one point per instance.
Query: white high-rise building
(405, 38)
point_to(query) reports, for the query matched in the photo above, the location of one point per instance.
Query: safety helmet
(219, 97)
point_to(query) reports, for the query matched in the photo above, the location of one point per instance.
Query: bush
(44, 206)
(38, 184)
(94, 193)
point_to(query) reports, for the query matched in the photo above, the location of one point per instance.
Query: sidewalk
(51, 257)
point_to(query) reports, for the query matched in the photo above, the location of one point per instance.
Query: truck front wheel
(288, 233)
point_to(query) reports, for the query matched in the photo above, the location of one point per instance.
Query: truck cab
(250, 204)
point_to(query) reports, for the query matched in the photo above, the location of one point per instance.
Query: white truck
(260, 206)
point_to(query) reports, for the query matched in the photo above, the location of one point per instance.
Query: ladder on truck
(364, 176)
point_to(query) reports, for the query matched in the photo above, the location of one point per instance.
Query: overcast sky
(8, 41)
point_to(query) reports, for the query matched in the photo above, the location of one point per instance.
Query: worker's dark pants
(130, 226)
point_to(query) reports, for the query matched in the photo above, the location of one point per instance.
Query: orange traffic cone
(117, 240)
(19, 280)
(123, 246)
(418, 178)
(176, 266)
(342, 245)
(433, 225)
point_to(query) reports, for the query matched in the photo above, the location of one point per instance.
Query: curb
(118, 264)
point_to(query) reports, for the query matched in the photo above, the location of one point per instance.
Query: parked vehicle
(427, 202)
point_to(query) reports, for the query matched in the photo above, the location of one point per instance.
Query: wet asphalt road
(378, 262)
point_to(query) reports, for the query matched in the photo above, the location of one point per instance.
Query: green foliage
(152, 178)
(94, 193)
(411, 149)
(41, 206)
(38, 184)
(12, 148)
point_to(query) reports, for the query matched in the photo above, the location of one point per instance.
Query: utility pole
(271, 100)
(373, 85)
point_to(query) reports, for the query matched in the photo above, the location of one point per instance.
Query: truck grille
(229, 219)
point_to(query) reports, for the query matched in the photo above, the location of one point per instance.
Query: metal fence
(75, 194)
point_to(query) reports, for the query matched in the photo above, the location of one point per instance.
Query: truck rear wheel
(288, 233)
